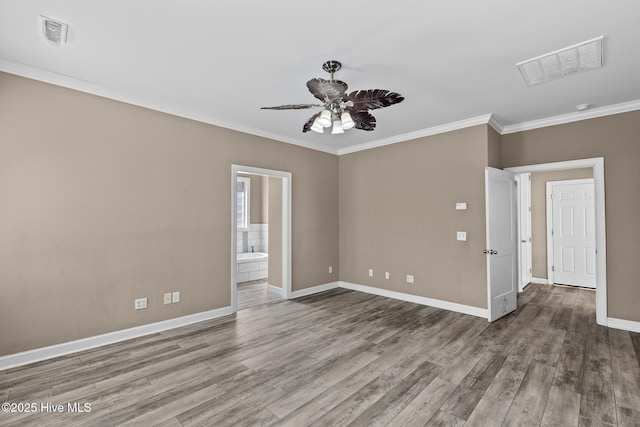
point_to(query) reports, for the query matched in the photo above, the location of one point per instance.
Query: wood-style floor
(348, 358)
(255, 292)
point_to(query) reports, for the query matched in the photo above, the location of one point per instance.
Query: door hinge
(551, 196)
(530, 271)
(553, 268)
(552, 232)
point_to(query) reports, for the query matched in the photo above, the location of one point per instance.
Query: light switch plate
(167, 298)
(462, 236)
(461, 206)
(175, 297)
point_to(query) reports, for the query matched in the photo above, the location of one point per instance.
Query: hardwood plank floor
(347, 358)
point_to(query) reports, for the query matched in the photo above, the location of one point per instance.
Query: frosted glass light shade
(325, 119)
(337, 127)
(316, 127)
(347, 121)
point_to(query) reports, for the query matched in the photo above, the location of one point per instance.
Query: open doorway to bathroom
(261, 220)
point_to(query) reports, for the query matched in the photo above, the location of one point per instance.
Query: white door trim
(549, 222)
(601, 247)
(286, 227)
(524, 229)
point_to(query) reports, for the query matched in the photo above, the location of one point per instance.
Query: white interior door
(573, 233)
(524, 230)
(501, 211)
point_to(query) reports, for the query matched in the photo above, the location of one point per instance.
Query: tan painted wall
(397, 214)
(617, 139)
(275, 230)
(539, 214)
(102, 202)
(494, 140)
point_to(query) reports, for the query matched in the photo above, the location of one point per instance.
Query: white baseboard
(446, 305)
(44, 353)
(315, 289)
(278, 290)
(626, 325)
(539, 281)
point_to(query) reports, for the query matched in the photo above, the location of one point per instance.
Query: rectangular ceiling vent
(54, 32)
(564, 62)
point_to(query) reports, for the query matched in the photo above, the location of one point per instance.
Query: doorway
(248, 243)
(597, 165)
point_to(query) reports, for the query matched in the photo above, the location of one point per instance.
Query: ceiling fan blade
(363, 120)
(331, 90)
(307, 126)
(370, 99)
(292, 107)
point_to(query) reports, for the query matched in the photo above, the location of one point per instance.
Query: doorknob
(523, 241)
(490, 252)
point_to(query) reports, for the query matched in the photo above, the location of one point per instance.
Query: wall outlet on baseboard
(386, 275)
(409, 278)
(371, 272)
(140, 303)
(330, 269)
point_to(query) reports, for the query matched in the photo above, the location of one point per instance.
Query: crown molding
(435, 130)
(492, 120)
(80, 85)
(608, 110)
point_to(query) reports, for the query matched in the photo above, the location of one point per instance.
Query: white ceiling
(220, 61)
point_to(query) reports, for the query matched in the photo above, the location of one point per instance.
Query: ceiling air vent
(54, 31)
(564, 62)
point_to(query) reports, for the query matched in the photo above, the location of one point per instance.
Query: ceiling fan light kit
(341, 111)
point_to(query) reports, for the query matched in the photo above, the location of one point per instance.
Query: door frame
(286, 227)
(549, 220)
(597, 164)
(524, 228)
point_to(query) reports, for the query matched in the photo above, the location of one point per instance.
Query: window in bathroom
(243, 186)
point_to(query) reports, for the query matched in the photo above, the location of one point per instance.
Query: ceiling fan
(341, 110)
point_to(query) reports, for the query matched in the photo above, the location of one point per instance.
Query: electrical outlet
(371, 272)
(139, 303)
(409, 278)
(330, 269)
(386, 275)
(175, 297)
(167, 298)
(461, 236)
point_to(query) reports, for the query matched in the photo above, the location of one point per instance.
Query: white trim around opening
(286, 227)
(601, 247)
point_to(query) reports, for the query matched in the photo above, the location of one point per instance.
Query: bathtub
(252, 266)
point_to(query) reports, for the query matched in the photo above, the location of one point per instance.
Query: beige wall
(397, 214)
(494, 148)
(539, 213)
(617, 139)
(102, 202)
